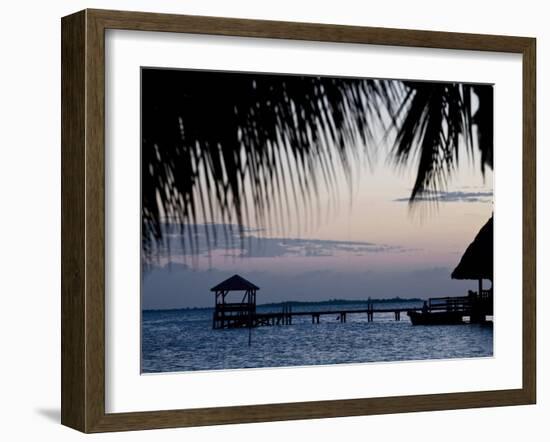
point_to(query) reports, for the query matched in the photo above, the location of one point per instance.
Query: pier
(235, 318)
(285, 317)
(445, 310)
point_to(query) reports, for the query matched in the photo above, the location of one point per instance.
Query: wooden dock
(231, 314)
(245, 318)
(457, 307)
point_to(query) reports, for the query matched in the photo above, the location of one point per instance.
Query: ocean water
(183, 340)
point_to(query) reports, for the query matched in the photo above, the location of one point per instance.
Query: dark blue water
(183, 340)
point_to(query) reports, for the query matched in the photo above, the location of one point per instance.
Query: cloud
(258, 247)
(209, 238)
(453, 197)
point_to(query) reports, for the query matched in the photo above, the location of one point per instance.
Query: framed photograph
(268, 220)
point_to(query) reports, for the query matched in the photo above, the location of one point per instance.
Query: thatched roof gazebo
(477, 261)
(234, 314)
(235, 283)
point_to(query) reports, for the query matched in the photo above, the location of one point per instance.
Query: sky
(361, 240)
(372, 245)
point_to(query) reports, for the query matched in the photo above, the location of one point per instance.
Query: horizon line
(328, 301)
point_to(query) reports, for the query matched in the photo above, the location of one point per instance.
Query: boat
(435, 318)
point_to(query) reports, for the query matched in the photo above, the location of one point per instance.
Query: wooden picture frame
(83, 220)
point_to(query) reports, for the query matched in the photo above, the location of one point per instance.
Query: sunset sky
(361, 241)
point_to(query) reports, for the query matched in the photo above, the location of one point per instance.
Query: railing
(457, 303)
(233, 307)
(486, 294)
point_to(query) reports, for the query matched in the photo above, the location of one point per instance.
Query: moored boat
(435, 318)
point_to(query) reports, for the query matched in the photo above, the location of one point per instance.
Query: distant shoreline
(303, 303)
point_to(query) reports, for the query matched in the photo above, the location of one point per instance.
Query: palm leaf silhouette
(430, 120)
(236, 147)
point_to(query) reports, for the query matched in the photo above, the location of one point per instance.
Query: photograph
(253, 221)
(293, 220)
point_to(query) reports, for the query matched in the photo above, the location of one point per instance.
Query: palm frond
(211, 138)
(431, 120)
(239, 149)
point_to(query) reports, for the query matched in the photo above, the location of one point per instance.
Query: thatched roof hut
(235, 283)
(234, 314)
(477, 261)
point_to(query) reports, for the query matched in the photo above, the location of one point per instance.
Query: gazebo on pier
(234, 314)
(477, 264)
